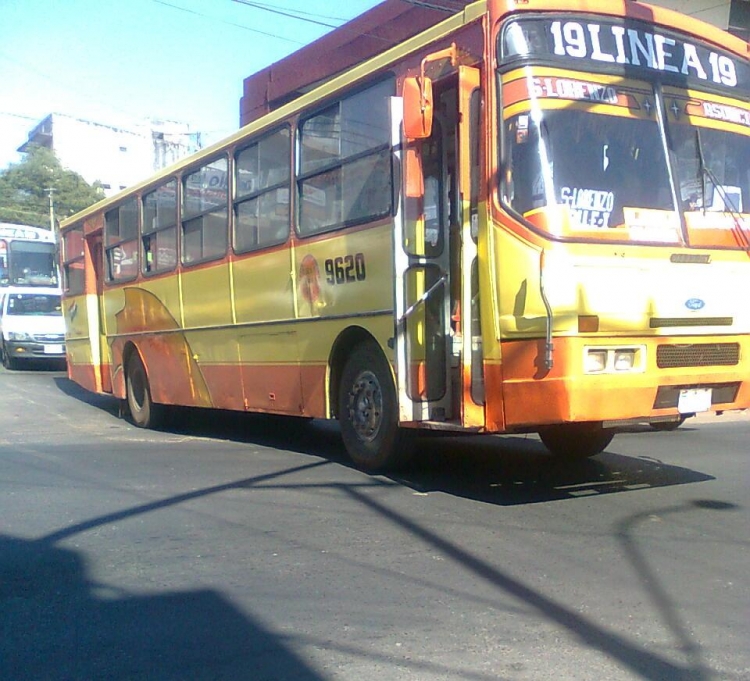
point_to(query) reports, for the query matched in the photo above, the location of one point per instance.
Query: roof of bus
(8, 230)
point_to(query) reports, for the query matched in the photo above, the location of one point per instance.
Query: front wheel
(9, 362)
(368, 412)
(576, 440)
(143, 412)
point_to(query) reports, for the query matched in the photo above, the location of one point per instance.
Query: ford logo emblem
(695, 304)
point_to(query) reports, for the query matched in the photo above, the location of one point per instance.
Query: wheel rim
(366, 406)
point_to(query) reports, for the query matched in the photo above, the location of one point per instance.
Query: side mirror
(418, 108)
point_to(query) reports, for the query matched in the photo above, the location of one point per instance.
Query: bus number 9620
(346, 269)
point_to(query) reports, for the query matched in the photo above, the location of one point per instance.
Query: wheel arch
(343, 346)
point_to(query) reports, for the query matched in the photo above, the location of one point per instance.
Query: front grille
(48, 337)
(697, 355)
(666, 322)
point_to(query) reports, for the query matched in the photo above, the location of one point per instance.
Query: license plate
(57, 349)
(694, 400)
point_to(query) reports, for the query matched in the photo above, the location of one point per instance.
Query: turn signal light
(588, 323)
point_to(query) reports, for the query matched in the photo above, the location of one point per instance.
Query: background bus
(28, 256)
(530, 217)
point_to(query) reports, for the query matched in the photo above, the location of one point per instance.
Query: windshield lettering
(566, 88)
(590, 207)
(723, 112)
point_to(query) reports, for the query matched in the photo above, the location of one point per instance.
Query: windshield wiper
(739, 229)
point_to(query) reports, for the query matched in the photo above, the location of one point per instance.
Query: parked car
(32, 326)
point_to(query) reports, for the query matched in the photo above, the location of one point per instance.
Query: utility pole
(50, 191)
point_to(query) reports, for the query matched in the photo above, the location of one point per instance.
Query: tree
(24, 189)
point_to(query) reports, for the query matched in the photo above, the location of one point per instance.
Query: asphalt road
(245, 548)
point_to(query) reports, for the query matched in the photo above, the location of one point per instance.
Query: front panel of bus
(620, 242)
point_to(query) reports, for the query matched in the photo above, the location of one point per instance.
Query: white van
(32, 325)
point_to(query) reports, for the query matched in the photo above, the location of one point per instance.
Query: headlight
(596, 361)
(19, 336)
(599, 360)
(624, 360)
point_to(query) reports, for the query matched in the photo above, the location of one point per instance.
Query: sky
(121, 61)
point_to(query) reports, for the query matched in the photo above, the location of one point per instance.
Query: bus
(531, 217)
(28, 256)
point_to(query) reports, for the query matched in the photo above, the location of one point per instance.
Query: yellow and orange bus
(530, 217)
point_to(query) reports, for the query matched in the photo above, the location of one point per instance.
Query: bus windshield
(623, 141)
(31, 264)
(713, 169)
(594, 167)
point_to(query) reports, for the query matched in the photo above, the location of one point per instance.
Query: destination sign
(10, 231)
(631, 45)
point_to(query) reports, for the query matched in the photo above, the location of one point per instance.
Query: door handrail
(422, 299)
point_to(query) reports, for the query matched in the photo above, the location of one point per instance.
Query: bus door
(95, 312)
(430, 228)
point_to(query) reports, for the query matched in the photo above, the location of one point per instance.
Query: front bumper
(34, 350)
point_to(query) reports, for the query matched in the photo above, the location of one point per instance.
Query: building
(733, 15)
(117, 157)
(393, 21)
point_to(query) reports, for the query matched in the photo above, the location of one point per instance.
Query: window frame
(340, 163)
(68, 261)
(149, 234)
(110, 246)
(187, 218)
(257, 194)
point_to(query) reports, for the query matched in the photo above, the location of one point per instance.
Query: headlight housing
(19, 336)
(614, 360)
(595, 361)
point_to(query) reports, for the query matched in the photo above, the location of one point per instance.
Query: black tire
(141, 408)
(9, 362)
(576, 440)
(666, 426)
(368, 412)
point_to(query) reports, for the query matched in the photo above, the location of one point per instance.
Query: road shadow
(300, 435)
(509, 470)
(58, 625)
(505, 470)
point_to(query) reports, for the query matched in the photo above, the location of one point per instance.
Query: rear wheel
(576, 440)
(143, 412)
(368, 412)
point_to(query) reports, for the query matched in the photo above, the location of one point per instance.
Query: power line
(228, 23)
(300, 12)
(16, 115)
(285, 13)
(305, 17)
(64, 86)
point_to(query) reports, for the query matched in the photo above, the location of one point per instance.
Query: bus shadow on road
(59, 625)
(511, 470)
(503, 470)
